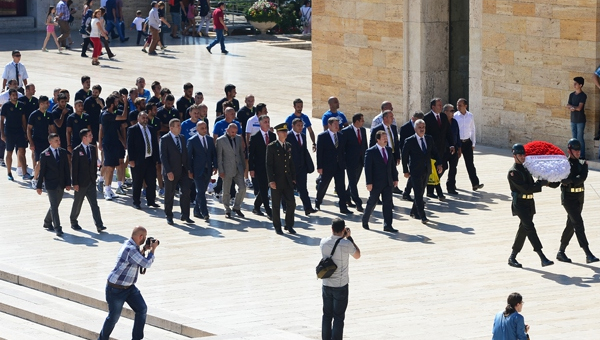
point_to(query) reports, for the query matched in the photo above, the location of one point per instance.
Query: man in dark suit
(381, 176)
(281, 175)
(407, 130)
(416, 165)
(174, 158)
(55, 173)
(356, 145)
(257, 165)
(392, 135)
(202, 156)
(439, 129)
(83, 169)
(302, 162)
(331, 164)
(142, 146)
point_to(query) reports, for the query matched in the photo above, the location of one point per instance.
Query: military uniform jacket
(280, 166)
(577, 176)
(521, 183)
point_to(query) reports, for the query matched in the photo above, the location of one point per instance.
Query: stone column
(426, 62)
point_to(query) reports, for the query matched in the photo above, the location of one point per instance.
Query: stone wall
(529, 52)
(357, 49)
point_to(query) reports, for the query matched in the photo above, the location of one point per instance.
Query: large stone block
(523, 9)
(578, 30)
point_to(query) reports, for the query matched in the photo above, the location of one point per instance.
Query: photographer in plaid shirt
(120, 286)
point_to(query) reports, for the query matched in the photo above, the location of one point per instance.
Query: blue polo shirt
(304, 118)
(340, 115)
(221, 127)
(188, 129)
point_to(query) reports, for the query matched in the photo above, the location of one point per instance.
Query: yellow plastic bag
(434, 179)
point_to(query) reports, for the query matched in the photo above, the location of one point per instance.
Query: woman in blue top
(510, 324)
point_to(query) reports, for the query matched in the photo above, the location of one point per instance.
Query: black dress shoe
(351, 205)
(390, 230)
(591, 258)
(198, 215)
(442, 198)
(170, 220)
(59, 231)
(562, 257)
(479, 186)
(317, 205)
(432, 195)
(290, 230)
(270, 216)
(346, 211)
(278, 231)
(359, 208)
(366, 225)
(512, 261)
(397, 191)
(76, 227)
(206, 217)
(257, 212)
(407, 198)
(310, 211)
(452, 192)
(546, 262)
(153, 205)
(187, 219)
(137, 206)
(228, 214)
(100, 228)
(238, 212)
(424, 220)
(49, 227)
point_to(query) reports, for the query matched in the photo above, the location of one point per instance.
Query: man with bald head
(120, 285)
(334, 105)
(378, 120)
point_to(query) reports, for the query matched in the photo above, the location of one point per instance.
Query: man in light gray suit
(230, 156)
(174, 158)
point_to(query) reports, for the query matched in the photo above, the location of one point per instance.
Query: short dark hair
(165, 90)
(52, 136)
(78, 101)
(433, 101)
(387, 113)
(11, 91)
(83, 132)
(338, 225)
(199, 93)
(43, 99)
(187, 86)
(124, 91)
(221, 3)
(357, 117)
(62, 96)
(297, 120)
(462, 100)
(228, 87)
(227, 104)
(379, 134)
(170, 98)
(173, 121)
(97, 87)
(149, 106)
(85, 78)
(260, 107)
(298, 101)
(579, 80)
(110, 100)
(16, 52)
(154, 84)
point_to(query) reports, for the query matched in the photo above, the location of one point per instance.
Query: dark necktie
(148, 148)
(336, 140)
(204, 143)
(57, 156)
(88, 153)
(232, 142)
(358, 135)
(17, 76)
(267, 138)
(299, 139)
(391, 137)
(423, 147)
(439, 121)
(385, 159)
(177, 143)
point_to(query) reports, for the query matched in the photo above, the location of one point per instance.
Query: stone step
(17, 24)
(67, 316)
(15, 328)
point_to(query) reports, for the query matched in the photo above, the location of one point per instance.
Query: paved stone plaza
(237, 279)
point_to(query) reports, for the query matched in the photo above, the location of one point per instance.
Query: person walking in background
(175, 9)
(452, 159)
(306, 17)
(219, 26)
(576, 105)
(138, 23)
(86, 27)
(96, 31)
(466, 124)
(509, 324)
(50, 26)
(63, 16)
(204, 17)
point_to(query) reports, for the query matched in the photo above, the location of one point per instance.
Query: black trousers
(354, 174)
(145, 172)
(437, 188)
(340, 186)
(183, 181)
(467, 154)
(526, 230)
(573, 204)
(106, 44)
(287, 195)
(419, 182)
(88, 192)
(301, 186)
(261, 189)
(55, 197)
(86, 42)
(408, 188)
(386, 199)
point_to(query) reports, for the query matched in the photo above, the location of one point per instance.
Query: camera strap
(142, 269)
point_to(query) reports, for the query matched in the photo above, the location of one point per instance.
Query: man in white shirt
(335, 288)
(466, 125)
(15, 70)
(378, 120)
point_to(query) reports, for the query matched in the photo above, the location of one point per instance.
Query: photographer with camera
(120, 286)
(335, 287)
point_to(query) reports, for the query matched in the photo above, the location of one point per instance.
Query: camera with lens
(151, 240)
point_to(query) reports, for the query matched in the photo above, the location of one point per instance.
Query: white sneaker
(19, 171)
(34, 184)
(249, 184)
(211, 188)
(108, 196)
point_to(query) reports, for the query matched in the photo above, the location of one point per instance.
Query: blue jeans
(335, 301)
(115, 298)
(577, 132)
(110, 24)
(219, 39)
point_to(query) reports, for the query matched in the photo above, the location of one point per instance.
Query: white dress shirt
(146, 133)
(333, 136)
(10, 72)
(466, 125)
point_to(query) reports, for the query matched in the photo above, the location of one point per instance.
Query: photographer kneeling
(120, 286)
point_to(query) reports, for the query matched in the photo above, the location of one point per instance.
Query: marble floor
(445, 280)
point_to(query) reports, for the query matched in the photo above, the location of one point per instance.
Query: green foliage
(290, 20)
(263, 11)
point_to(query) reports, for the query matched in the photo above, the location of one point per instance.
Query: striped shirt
(62, 11)
(128, 261)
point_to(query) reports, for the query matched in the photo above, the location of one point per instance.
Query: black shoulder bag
(326, 266)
